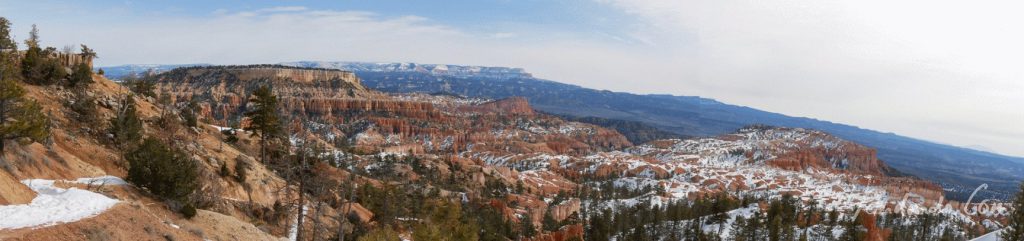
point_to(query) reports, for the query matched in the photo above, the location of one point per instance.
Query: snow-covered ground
(993, 236)
(55, 205)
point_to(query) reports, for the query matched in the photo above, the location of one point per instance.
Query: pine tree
(526, 228)
(737, 227)
(852, 229)
(81, 75)
(126, 125)
(20, 119)
(190, 115)
(443, 222)
(143, 86)
(1015, 228)
(87, 53)
(36, 65)
(549, 222)
(264, 121)
(381, 234)
(33, 38)
(85, 106)
(6, 43)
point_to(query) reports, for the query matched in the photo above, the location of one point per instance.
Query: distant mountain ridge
(460, 71)
(959, 170)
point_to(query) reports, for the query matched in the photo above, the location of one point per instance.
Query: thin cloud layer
(941, 71)
(937, 70)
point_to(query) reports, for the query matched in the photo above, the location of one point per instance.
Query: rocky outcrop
(565, 209)
(849, 157)
(512, 105)
(565, 233)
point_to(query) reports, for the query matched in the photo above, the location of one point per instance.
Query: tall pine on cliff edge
(263, 119)
(1015, 229)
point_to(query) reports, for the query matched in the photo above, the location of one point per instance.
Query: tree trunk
(302, 185)
(263, 150)
(343, 216)
(316, 220)
(301, 217)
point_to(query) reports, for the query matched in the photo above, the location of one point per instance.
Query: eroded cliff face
(334, 103)
(480, 144)
(224, 90)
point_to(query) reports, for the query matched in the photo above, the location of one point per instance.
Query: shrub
(241, 169)
(81, 75)
(190, 113)
(97, 234)
(142, 87)
(166, 172)
(381, 234)
(224, 172)
(189, 211)
(85, 106)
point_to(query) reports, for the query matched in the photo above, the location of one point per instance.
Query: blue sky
(584, 17)
(941, 70)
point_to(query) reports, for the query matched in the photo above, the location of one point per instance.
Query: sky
(938, 70)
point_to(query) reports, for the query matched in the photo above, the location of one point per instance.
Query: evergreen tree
(36, 65)
(526, 228)
(87, 53)
(166, 172)
(443, 222)
(143, 86)
(190, 115)
(1015, 228)
(126, 125)
(852, 230)
(6, 42)
(736, 231)
(549, 222)
(81, 75)
(33, 38)
(39, 69)
(20, 119)
(85, 106)
(264, 121)
(381, 234)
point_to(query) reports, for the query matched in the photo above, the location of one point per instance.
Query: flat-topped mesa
(261, 74)
(222, 90)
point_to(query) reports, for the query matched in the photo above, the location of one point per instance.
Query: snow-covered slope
(993, 236)
(761, 161)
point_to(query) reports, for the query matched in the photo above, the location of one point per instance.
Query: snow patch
(55, 205)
